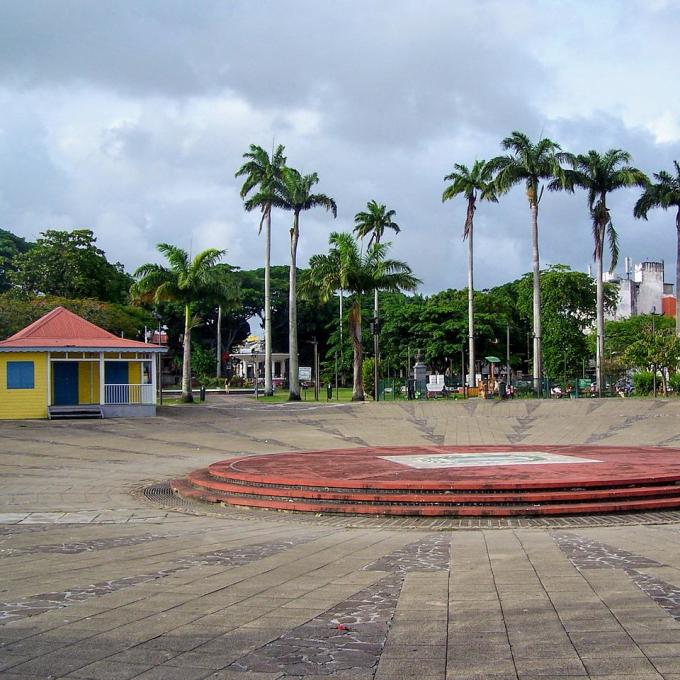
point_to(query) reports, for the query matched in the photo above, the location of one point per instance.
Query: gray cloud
(131, 117)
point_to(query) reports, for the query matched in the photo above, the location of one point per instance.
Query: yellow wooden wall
(19, 404)
(135, 373)
(88, 382)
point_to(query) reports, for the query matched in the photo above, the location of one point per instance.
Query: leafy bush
(643, 382)
(367, 373)
(203, 362)
(674, 382)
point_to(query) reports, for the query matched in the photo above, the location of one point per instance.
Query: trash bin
(202, 393)
(329, 392)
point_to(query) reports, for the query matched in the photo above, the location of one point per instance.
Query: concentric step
(453, 481)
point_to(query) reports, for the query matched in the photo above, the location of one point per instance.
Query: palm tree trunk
(187, 395)
(218, 371)
(268, 383)
(355, 335)
(538, 364)
(293, 377)
(472, 379)
(677, 273)
(599, 352)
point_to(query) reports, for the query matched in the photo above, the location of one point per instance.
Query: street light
(256, 371)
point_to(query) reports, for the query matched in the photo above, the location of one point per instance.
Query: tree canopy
(69, 264)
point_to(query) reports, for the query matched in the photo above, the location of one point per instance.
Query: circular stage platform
(464, 481)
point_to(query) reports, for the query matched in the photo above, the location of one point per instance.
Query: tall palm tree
(359, 273)
(294, 192)
(600, 174)
(665, 194)
(374, 220)
(185, 281)
(530, 163)
(262, 173)
(473, 184)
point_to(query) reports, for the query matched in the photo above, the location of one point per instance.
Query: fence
(390, 389)
(129, 394)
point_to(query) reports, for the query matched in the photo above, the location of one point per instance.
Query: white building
(641, 291)
(248, 360)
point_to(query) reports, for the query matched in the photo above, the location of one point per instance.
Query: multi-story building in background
(642, 291)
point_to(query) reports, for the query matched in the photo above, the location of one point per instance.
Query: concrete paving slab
(590, 598)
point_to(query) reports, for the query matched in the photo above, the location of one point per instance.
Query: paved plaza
(100, 580)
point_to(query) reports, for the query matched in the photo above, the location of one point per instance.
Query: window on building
(20, 375)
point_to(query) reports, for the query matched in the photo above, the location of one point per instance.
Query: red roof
(62, 328)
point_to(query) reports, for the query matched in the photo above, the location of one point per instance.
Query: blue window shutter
(20, 375)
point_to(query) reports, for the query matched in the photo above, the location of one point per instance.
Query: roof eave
(77, 348)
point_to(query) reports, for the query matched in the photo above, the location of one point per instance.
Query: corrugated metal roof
(63, 328)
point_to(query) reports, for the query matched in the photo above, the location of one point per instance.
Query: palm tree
(359, 273)
(262, 174)
(185, 281)
(530, 163)
(665, 194)
(599, 175)
(473, 184)
(374, 220)
(294, 192)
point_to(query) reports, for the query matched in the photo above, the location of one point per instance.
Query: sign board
(304, 372)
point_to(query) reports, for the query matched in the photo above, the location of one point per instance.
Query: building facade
(642, 291)
(62, 365)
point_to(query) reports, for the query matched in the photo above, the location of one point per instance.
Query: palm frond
(178, 258)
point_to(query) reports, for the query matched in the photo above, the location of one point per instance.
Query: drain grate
(163, 495)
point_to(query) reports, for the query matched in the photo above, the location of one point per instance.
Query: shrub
(202, 361)
(674, 382)
(643, 382)
(367, 373)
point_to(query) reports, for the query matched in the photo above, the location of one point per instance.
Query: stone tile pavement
(96, 582)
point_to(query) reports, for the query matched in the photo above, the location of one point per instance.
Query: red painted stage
(447, 480)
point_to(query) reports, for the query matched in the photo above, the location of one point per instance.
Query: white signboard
(305, 372)
(485, 459)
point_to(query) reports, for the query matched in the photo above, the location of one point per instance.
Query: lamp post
(256, 371)
(508, 376)
(315, 342)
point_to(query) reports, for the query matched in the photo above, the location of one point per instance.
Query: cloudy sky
(131, 118)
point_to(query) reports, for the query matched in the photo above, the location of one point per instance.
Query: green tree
(69, 264)
(262, 174)
(473, 185)
(374, 220)
(569, 310)
(656, 349)
(294, 193)
(599, 175)
(363, 273)
(11, 246)
(530, 163)
(185, 281)
(665, 194)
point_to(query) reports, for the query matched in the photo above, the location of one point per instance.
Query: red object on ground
(466, 480)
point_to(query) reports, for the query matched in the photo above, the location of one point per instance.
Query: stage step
(425, 508)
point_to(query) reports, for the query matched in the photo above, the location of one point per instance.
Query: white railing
(129, 394)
